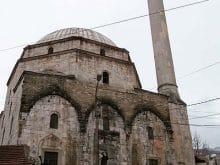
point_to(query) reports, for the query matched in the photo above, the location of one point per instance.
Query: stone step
(14, 155)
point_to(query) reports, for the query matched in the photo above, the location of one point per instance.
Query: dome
(77, 32)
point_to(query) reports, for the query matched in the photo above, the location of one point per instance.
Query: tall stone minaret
(166, 80)
(181, 138)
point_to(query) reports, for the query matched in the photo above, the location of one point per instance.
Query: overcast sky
(194, 36)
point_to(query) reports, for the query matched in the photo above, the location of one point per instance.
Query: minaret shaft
(162, 52)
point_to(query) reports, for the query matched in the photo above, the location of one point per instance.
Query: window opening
(102, 52)
(54, 121)
(105, 77)
(105, 123)
(150, 133)
(50, 50)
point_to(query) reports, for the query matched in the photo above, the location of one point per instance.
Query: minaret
(181, 138)
(166, 80)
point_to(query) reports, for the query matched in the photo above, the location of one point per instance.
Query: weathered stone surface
(64, 83)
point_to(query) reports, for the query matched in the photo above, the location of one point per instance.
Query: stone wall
(64, 83)
(80, 43)
(143, 146)
(182, 141)
(37, 134)
(75, 145)
(81, 95)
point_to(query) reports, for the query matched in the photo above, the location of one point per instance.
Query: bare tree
(196, 142)
(200, 147)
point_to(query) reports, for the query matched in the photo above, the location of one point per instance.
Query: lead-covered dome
(77, 32)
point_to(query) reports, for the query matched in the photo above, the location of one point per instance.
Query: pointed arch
(52, 90)
(104, 101)
(150, 107)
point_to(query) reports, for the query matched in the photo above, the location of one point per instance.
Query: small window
(150, 133)
(105, 77)
(54, 121)
(50, 50)
(102, 52)
(105, 123)
(153, 162)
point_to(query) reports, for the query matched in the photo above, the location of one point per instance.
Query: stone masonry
(57, 76)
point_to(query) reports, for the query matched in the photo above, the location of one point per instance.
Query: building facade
(51, 106)
(74, 98)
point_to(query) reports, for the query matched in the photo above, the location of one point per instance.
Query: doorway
(50, 158)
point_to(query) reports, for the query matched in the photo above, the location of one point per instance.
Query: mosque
(75, 98)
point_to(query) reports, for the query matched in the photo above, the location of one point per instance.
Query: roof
(77, 32)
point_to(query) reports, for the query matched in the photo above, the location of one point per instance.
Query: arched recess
(52, 144)
(103, 101)
(149, 144)
(112, 135)
(151, 108)
(50, 141)
(37, 129)
(27, 102)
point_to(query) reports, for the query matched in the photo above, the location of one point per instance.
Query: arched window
(105, 123)
(150, 133)
(50, 50)
(54, 121)
(105, 77)
(102, 52)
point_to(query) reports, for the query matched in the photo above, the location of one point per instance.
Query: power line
(196, 125)
(199, 125)
(204, 102)
(146, 15)
(126, 20)
(199, 117)
(18, 46)
(199, 70)
(196, 71)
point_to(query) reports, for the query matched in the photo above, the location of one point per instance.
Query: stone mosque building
(74, 98)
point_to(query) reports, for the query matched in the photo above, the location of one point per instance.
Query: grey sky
(194, 35)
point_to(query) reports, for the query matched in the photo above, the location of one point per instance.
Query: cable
(126, 20)
(199, 125)
(199, 117)
(199, 70)
(196, 71)
(204, 102)
(18, 46)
